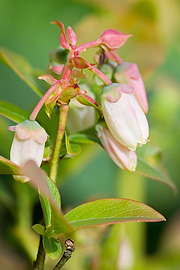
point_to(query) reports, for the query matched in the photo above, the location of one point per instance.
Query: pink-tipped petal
(121, 155)
(48, 78)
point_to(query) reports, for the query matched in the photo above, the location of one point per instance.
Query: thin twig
(69, 244)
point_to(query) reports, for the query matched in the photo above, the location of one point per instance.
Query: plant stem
(100, 75)
(133, 185)
(40, 260)
(42, 101)
(63, 112)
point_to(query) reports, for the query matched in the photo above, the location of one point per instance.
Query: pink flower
(123, 115)
(121, 155)
(128, 73)
(28, 144)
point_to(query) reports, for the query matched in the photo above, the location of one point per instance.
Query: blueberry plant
(103, 103)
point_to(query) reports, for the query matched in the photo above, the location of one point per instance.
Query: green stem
(40, 260)
(133, 185)
(63, 112)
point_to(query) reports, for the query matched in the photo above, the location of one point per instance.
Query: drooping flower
(28, 144)
(121, 155)
(123, 115)
(128, 73)
(80, 117)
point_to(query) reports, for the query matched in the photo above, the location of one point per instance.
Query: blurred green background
(155, 47)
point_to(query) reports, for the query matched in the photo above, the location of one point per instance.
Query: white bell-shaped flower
(28, 144)
(121, 155)
(124, 116)
(80, 117)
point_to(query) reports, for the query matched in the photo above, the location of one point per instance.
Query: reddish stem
(100, 74)
(86, 46)
(42, 101)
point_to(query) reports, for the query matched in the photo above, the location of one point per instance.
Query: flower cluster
(122, 104)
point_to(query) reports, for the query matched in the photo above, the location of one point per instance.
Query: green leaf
(8, 167)
(46, 187)
(49, 108)
(72, 149)
(13, 112)
(21, 67)
(46, 206)
(59, 224)
(52, 247)
(110, 211)
(86, 137)
(150, 165)
(38, 228)
(54, 192)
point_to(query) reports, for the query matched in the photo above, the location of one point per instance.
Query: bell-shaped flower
(80, 117)
(128, 73)
(121, 155)
(28, 144)
(123, 115)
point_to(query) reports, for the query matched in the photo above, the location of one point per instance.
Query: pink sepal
(71, 36)
(62, 37)
(48, 78)
(80, 63)
(12, 128)
(30, 130)
(113, 91)
(57, 69)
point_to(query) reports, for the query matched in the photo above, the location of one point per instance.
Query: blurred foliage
(154, 46)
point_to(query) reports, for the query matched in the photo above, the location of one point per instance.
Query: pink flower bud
(113, 39)
(28, 144)
(124, 117)
(129, 73)
(121, 155)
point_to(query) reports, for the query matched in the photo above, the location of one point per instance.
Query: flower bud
(121, 155)
(124, 117)
(113, 39)
(28, 144)
(128, 73)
